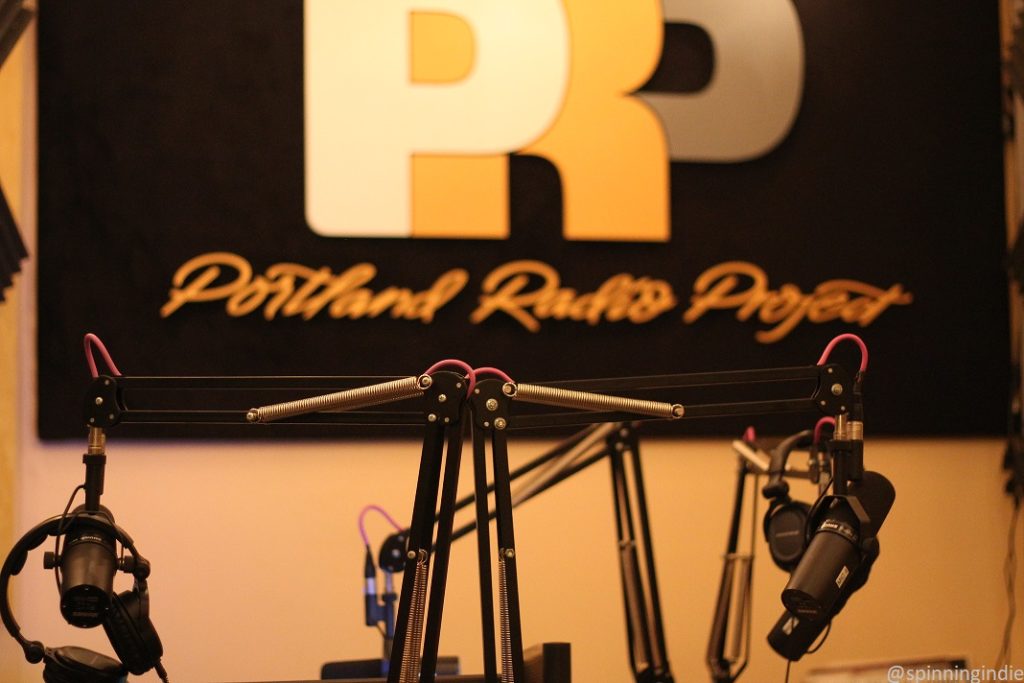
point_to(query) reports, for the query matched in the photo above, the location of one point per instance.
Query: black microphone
(792, 636)
(371, 611)
(837, 547)
(88, 563)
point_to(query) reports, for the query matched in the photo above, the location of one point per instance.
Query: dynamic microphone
(88, 563)
(838, 547)
(792, 636)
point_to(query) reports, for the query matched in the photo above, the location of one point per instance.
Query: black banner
(174, 218)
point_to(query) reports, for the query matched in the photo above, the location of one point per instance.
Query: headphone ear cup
(784, 529)
(72, 664)
(132, 634)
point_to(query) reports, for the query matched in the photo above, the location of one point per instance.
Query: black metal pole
(442, 550)
(659, 651)
(719, 666)
(483, 544)
(629, 573)
(420, 542)
(507, 557)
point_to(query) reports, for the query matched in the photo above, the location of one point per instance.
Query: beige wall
(12, 111)
(257, 561)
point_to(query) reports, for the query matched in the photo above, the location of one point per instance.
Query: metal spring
(414, 631)
(350, 399)
(585, 400)
(507, 674)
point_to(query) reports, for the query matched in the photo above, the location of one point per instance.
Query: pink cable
(821, 423)
(88, 342)
(382, 511)
(493, 371)
(852, 337)
(470, 373)
(750, 436)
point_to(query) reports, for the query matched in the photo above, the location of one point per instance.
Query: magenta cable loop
(462, 365)
(821, 423)
(88, 342)
(362, 521)
(493, 371)
(844, 337)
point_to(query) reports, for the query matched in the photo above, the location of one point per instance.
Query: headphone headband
(785, 519)
(777, 487)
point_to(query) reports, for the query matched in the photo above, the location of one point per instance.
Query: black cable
(789, 663)
(823, 491)
(749, 608)
(61, 528)
(824, 637)
(1010, 576)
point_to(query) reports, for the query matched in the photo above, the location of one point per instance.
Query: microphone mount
(728, 653)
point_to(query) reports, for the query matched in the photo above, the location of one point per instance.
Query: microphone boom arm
(142, 400)
(343, 402)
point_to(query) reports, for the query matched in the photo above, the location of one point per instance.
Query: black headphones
(786, 519)
(126, 619)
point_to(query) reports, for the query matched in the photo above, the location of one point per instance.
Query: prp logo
(413, 106)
